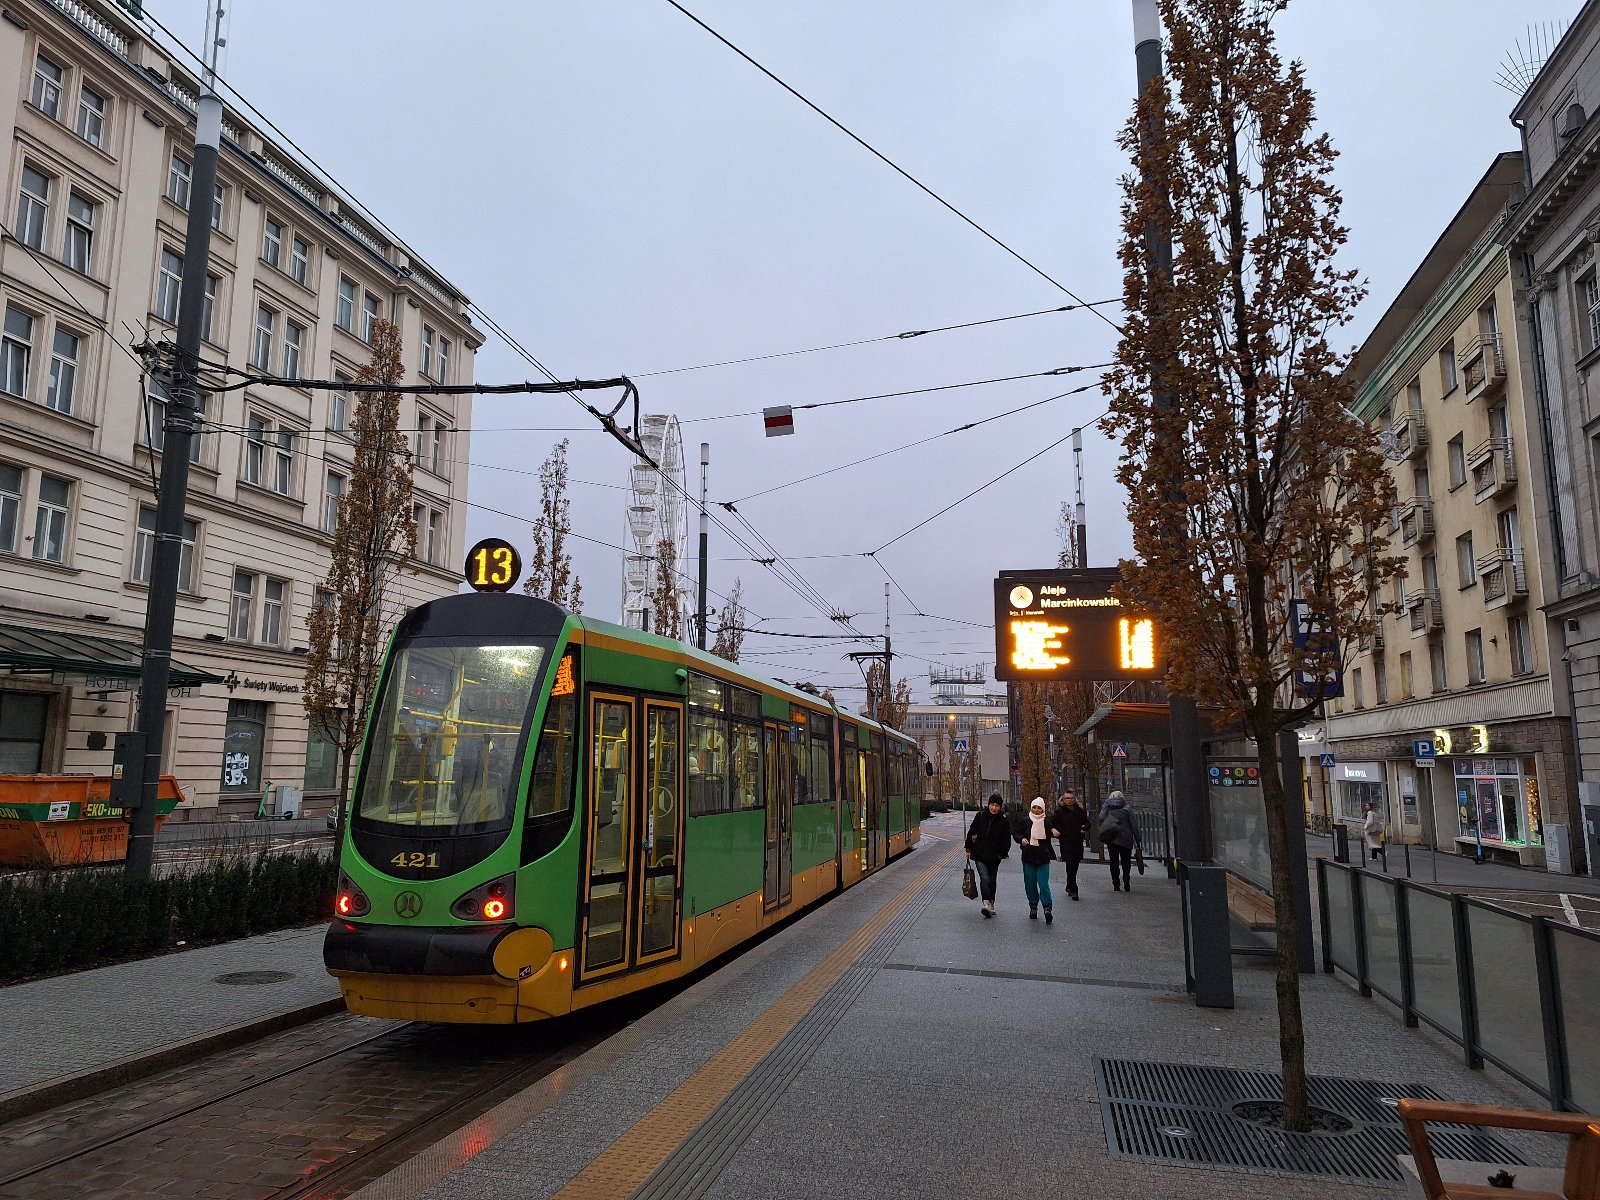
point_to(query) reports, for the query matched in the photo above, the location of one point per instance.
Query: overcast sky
(625, 194)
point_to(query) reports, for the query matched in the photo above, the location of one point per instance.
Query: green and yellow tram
(551, 811)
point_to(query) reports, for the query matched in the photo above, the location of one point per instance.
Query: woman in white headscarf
(1034, 837)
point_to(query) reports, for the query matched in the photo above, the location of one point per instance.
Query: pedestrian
(988, 841)
(1372, 826)
(1119, 834)
(1070, 823)
(1033, 835)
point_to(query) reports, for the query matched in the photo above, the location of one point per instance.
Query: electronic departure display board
(1064, 623)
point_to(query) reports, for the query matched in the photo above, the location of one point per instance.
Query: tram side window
(820, 776)
(743, 702)
(708, 747)
(554, 765)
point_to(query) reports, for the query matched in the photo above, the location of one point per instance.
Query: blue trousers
(986, 874)
(1036, 881)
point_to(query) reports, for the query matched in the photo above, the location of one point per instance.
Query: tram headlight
(349, 900)
(492, 901)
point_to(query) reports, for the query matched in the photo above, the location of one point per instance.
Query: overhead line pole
(1191, 820)
(140, 759)
(705, 527)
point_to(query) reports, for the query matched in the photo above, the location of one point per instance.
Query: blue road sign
(1327, 760)
(960, 745)
(1423, 748)
(1119, 750)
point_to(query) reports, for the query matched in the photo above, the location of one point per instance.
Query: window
(24, 718)
(272, 243)
(46, 94)
(1475, 672)
(339, 405)
(444, 361)
(322, 760)
(427, 522)
(241, 605)
(1506, 526)
(144, 543)
(1457, 454)
(345, 316)
(283, 462)
(434, 543)
(16, 352)
(427, 351)
(1466, 564)
(1420, 483)
(1589, 305)
(77, 249)
(266, 329)
(1380, 682)
(178, 177)
(1498, 427)
(299, 261)
(33, 208)
(1488, 319)
(369, 313)
(1405, 676)
(91, 116)
(332, 495)
(430, 442)
(156, 420)
(1414, 395)
(169, 283)
(216, 208)
(1448, 377)
(1436, 663)
(272, 613)
(50, 519)
(1357, 691)
(1519, 632)
(208, 306)
(255, 451)
(63, 371)
(244, 746)
(294, 337)
(10, 506)
(1430, 573)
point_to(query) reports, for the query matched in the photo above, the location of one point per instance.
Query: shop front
(1355, 785)
(1498, 809)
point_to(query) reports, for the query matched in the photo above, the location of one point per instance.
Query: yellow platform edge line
(621, 1168)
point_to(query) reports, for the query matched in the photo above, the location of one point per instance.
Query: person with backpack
(988, 841)
(1033, 835)
(1070, 823)
(1119, 834)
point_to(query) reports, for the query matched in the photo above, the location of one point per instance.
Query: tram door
(634, 831)
(877, 805)
(777, 881)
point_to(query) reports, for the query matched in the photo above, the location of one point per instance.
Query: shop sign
(1359, 772)
(1461, 739)
(235, 681)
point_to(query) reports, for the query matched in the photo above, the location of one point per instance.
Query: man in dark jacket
(988, 841)
(1070, 822)
(1120, 836)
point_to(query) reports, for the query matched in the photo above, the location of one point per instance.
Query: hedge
(82, 918)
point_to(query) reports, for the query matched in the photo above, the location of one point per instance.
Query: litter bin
(1341, 843)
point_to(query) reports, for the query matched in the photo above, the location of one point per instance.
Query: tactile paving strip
(1178, 1113)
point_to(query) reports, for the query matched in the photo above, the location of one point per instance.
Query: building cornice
(1525, 699)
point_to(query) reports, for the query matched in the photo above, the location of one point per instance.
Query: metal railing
(1517, 991)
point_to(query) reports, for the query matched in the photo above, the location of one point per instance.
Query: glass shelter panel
(1506, 980)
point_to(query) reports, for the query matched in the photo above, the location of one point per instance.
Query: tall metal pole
(888, 656)
(1190, 817)
(1081, 549)
(142, 767)
(705, 470)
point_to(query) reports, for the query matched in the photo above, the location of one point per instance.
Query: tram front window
(445, 740)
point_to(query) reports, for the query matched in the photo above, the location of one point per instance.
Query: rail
(1517, 991)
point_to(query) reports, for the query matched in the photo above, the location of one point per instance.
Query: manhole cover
(1269, 1115)
(1220, 1111)
(248, 977)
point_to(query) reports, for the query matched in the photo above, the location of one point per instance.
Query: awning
(1143, 724)
(97, 664)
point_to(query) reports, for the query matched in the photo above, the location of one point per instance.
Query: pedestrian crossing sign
(1119, 750)
(1327, 760)
(959, 745)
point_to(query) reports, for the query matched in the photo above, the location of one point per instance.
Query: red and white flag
(778, 421)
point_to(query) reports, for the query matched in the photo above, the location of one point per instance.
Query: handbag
(969, 882)
(1138, 860)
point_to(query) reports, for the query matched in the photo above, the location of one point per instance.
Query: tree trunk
(1291, 1026)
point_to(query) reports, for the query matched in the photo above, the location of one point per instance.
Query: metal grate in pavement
(1179, 1113)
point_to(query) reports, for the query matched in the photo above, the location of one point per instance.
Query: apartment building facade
(1466, 663)
(98, 184)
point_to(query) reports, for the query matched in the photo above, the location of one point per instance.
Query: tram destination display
(1064, 623)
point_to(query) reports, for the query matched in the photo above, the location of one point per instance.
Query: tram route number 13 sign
(493, 565)
(1064, 623)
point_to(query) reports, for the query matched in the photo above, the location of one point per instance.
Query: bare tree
(374, 537)
(666, 612)
(890, 708)
(731, 624)
(1254, 486)
(550, 574)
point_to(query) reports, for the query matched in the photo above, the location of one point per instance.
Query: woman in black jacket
(988, 841)
(1070, 822)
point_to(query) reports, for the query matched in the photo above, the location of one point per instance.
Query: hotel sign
(1066, 624)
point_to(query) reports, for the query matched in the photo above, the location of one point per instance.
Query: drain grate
(1178, 1113)
(250, 977)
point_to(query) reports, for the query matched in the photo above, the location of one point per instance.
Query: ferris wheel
(657, 512)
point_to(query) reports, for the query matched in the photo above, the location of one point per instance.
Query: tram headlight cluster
(351, 901)
(492, 901)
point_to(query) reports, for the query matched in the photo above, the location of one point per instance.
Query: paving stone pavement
(89, 1019)
(965, 1066)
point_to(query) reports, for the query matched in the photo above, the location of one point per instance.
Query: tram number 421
(416, 860)
(493, 565)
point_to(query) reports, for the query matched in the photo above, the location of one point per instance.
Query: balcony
(1371, 641)
(1416, 522)
(1492, 467)
(1502, 575)
(1409, 432)
(1483, 366)
(1427, 616)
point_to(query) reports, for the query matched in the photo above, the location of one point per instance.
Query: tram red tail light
(349, 900)
(492, 901)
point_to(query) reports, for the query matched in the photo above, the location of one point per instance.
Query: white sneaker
(988, 906)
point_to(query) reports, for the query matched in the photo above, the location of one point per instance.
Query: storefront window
(1502, 796)
(322, 762)
(22, 725)
(244, 746)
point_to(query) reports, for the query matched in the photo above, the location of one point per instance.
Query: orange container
(68, 820)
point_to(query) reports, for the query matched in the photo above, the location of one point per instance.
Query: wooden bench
(1249, 905)
(1580, 1181)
